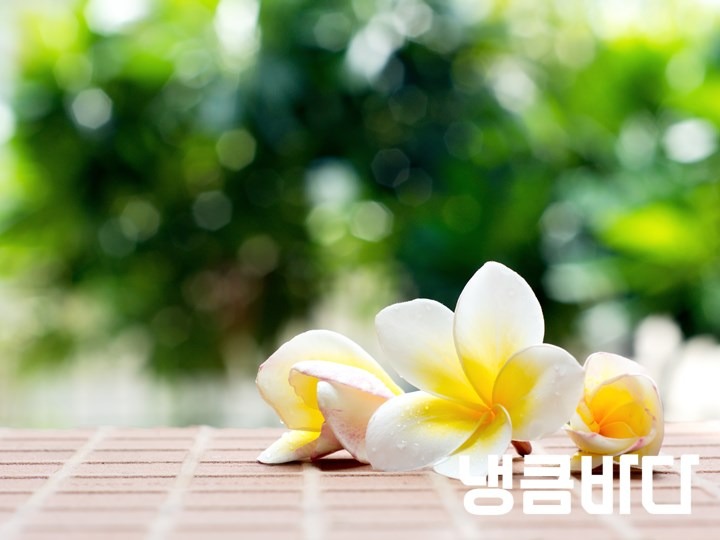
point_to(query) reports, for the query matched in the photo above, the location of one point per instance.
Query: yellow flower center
(615, 412)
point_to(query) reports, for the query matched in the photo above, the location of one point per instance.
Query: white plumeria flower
(620, 411)
(485, 377)
(324, 387)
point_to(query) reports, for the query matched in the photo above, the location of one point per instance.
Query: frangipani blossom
(324, 387)
(620, 411)
(484, 375)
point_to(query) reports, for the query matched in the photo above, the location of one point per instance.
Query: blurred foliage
(205, 170)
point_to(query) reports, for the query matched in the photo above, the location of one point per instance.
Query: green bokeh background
(209, 174)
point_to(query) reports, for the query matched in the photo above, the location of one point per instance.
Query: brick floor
(203, 483)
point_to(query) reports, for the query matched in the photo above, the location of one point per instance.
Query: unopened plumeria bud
(620, 411)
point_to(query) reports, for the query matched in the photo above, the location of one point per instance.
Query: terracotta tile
(255, 444)
(37, 456)
(41, 445)
(232, 534)
(231, 454)
(705, 439)
(657, 532)
(74, 534)
(107, 500)
(700, 514)
(48, 434)
(375, 482)
(407, 517)
(713, 477)
(5, 514)
(666, 495)
(381, 499)
(20, 470)
(154, 434)
(85, 518)
(127, 469)
(134, 444)
(245, 518)
(10, 485)
(247, 434)
(566, 531)
(235, 468)
(242, 499)
(256, 482)
(425, 533)
(136, 456)
(10, 500)
(702, 450)
(122, 483)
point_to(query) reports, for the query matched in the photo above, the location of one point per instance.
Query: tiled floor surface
(204, 483)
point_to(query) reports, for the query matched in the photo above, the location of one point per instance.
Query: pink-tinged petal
(497, 315)
(305, 375)
(491, 438)
(655, 439)
(346, 396)
(540, 387)
(642, 443)
(594, 443)
(415, 430)
(298, 445)
(417, 338)
(347, 411)
(272, 378)
(601, 367)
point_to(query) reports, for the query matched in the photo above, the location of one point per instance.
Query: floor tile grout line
(621, 527)
(461, 521)
(313, 521)
(698, 481)
(172, 507)
(32, 505)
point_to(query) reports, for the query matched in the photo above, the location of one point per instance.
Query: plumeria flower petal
(537, 387)
(491, 438)
(496, 316)
(620, 411)
(324, 387)
(418, 337)
(297, 445)
(601, 367)
(417, 429)
(491, 378)
(595, 443)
